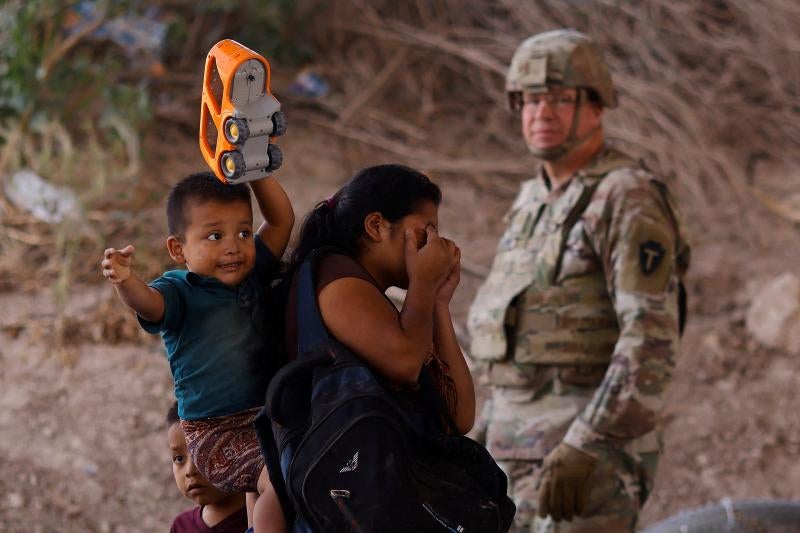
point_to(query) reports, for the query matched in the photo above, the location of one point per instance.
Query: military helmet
(560, 58)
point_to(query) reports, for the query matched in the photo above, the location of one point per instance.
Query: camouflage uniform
(577, 324)
(577, 329)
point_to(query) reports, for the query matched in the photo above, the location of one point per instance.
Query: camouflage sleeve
(634, 235)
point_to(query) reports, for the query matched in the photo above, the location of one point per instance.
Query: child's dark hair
(392, 190)
(200, 187)
(172, 415)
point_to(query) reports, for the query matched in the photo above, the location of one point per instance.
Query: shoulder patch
(651, 254)
(648, 251)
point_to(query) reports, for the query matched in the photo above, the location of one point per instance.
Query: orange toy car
(239, 116)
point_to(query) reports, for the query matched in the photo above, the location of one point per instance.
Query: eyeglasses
(558, 100)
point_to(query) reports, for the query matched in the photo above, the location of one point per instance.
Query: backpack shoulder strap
(310, 327)
(311, 330)
(288, 396)
(269, 449)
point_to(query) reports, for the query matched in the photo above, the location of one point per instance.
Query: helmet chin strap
(556, 152)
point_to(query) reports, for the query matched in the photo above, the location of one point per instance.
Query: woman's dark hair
(394, 191)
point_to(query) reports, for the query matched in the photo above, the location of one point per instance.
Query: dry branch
(400, 33)
(424, 158)
(62, 48)
(378, 83)
(704, 85)
(776, 207)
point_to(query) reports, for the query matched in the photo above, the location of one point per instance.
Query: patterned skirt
(225, 450)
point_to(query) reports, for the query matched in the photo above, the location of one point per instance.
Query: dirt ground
(82, 436)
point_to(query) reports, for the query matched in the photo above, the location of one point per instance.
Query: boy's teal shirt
(216, 338)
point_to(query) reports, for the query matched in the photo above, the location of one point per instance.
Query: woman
(385, 224)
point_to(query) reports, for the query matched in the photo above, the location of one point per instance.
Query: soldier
(577, 325)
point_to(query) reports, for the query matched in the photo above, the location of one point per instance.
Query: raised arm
(450, 352)
(278, 214)
(145, 301)
(361, 318)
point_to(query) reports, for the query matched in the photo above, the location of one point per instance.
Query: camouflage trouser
(619, 488)
(521, 426)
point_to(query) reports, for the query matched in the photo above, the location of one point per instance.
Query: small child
(212, 319)
(216, 512)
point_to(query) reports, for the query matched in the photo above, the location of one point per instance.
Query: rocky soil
(82, 434)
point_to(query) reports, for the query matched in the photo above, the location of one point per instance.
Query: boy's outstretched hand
(116, 264)
(146, 301)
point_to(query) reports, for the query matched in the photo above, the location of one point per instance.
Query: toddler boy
(213, 320)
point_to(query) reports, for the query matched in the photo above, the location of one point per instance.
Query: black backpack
(347, 453)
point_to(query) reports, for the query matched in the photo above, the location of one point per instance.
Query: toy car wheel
(278, 123)
(232, 165)
(275, 157)
(236, 130)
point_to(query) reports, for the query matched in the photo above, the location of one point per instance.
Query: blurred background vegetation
(99, 97)
(99, 111)
(709, 89)
(82, 84)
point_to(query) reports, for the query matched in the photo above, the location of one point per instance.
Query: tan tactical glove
(564, 487)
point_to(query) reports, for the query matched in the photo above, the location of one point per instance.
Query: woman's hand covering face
(445, 292)
(432, 262)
